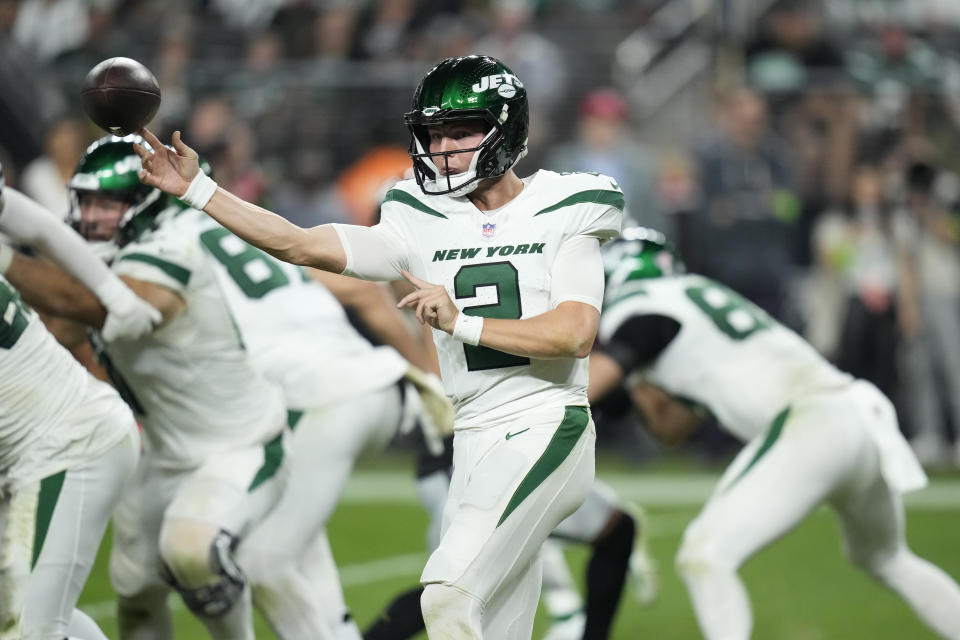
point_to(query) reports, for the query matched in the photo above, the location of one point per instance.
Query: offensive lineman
(213, 426)
(522, 260)
(68, 443)
(344, 397)
(814, 434)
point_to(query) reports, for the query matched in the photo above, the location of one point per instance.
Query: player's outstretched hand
(167, 169)
(433, 304)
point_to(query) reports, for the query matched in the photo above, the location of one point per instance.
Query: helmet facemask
(432, 169)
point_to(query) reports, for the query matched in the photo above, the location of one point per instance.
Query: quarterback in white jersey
(508, 273)
(688, 345)
(213, 426)
(68, 443)
(344, 397)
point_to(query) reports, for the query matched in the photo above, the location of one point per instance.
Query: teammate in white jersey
(814, 434)
(344, 397)
(521, 260)
(68, 443)
(213, 426)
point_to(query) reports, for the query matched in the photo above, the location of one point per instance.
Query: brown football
(120, 95)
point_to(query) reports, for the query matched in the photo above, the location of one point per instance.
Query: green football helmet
(468, 88)
(638, 254)
(110, 167)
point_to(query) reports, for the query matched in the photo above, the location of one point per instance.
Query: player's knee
(185, 549)
(207, 578)
(700, 554)
(449, 612)
(879, 564)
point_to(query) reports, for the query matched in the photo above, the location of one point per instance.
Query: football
(120, 95)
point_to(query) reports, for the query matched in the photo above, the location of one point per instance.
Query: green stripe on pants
(776, 428)
(46, 503)
(575, 420)
(272, 457)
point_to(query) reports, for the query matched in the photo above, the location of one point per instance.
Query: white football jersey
(766, 367)
(42, 388)
(297, 333)
(497, 264)
(191, 379)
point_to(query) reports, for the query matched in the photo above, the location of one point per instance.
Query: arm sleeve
(29, 223)
(640, 340)
(577, 273)
(606, 225)
(373, 253)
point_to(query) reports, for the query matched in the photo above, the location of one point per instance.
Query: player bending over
(687, 345)
(344, 398)
(68, 443)
(213, 426)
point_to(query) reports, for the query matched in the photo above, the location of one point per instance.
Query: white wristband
(201, 189)
(468, 329)
(6, 257)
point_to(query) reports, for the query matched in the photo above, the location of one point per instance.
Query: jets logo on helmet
(476, 88)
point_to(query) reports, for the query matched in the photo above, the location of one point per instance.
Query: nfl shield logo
(488, 228)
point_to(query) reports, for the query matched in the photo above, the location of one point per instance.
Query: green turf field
(801, 587)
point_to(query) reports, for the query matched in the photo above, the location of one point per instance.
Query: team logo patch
(487, 229)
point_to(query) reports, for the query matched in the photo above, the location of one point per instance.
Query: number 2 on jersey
(254, 273)
(732, 314)
(503, 276)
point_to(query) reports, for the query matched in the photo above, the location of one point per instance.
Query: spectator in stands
(48, 28)
(931, 243)
(532, 57)
(45, 179)
(174, 54)
(869, 334)
(604, 144)
(740, 230)
(335, 30)
(386, 29)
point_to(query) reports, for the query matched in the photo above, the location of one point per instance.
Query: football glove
(128, 316)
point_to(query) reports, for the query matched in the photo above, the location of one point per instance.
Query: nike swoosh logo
(510, 435)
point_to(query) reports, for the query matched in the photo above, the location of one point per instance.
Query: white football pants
(824, 454)
(280, 556)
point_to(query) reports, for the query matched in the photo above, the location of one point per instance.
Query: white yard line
(649, 489)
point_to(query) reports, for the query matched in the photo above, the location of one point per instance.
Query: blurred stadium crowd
(803, 152)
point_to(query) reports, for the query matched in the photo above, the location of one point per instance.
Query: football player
(68, 443)
(213, 425)
(344, 397)
(687, 346)
(521, 260)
